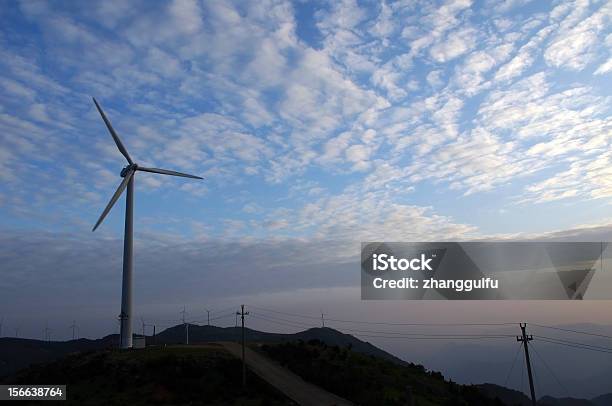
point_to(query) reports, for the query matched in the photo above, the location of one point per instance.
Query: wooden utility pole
(524, 338)
(207, 317)
(242, 313)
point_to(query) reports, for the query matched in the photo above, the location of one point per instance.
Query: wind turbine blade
(113, 133)
(167, 172)
(113, 199)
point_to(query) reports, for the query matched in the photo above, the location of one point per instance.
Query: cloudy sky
(316, 126)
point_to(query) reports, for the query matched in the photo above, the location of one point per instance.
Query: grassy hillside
(369, 380)
(164, 376)
(176, 335)
(18, 353)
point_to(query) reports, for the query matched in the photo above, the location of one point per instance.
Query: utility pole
(143, 326)
(524, 338)
(242, 313)
(207, 317)
(186, 327)
(153, 334)
(322, 319)
(73, 326)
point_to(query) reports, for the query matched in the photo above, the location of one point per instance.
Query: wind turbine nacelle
(125, 170)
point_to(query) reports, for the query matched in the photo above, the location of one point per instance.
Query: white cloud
(359, 156)
(456, 44)
(387, 77)
(604, 68)
(335, 147)
(438, 21)
(17, 89)
(573, 48)
(434, 78)
(524, 57)
(162, 62)
(589, 178)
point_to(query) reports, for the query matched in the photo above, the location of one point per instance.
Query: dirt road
(294, 387)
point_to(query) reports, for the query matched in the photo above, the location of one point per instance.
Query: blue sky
(316, 126)
(369, 120)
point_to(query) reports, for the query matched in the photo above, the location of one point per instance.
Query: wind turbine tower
(128, 174)
(73, 326)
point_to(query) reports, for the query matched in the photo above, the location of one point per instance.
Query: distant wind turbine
(74, 327)
(127, 173)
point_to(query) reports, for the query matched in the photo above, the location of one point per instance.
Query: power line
(572, 331)
(536, 380)
(205, 316)
(196, 317)
(573, 346)
(207, 320)
(430, 337)
(382, 322)
(518, 350)
(277, 322)
(402, 333)
(383, 334)
(522, 377)
(549, 369)
(221, 317)
(577, 343)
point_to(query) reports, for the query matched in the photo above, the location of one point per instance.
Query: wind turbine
(73, 326)
(127, 173)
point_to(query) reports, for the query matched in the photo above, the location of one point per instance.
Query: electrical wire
(291, 324)
(523, 378)
(450, 338)
(205, 319)
(536, 382)
(402, 334)
(518, 350)
(384, 323)
(574, 346)
(386, 334)
(575, 343)
(571, 330)
(550, 370)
